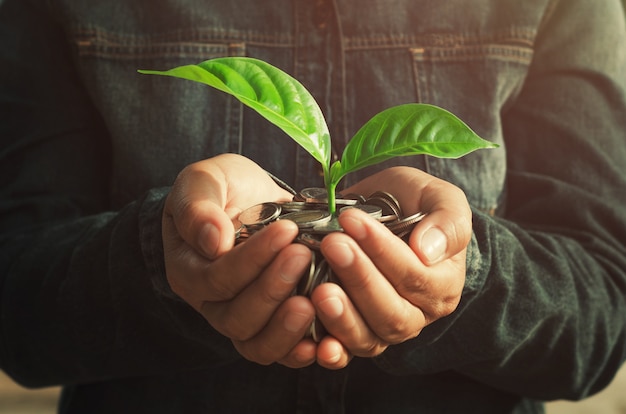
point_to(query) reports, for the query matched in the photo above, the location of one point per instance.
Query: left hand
(391, 290)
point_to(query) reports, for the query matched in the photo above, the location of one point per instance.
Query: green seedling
(408, 129)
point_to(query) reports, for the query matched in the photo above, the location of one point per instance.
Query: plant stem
(332, 207)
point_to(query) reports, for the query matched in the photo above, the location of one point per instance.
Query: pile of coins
(309, 210)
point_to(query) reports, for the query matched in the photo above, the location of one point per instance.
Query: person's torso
(357, 58)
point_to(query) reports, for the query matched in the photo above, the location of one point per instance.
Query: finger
(234, 271)
(249, 311)
(389, 253)
(448, 214)
(390, 315)
(301, 355)
(197, 279)
(283, 332)
(207, 195)
(196, 206)
(332, 354)
(345, 325)
(435, 289)
(447, 228)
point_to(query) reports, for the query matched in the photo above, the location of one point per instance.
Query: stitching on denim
(519, 36)
(94, 41)
(468, 53)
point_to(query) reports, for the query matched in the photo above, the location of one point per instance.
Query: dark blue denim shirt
(88, 148)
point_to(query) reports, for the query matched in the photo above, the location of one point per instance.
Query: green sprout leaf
(274, 94)
(409, 129)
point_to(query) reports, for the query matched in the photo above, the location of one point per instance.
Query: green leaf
(274, 94)
(409, 129)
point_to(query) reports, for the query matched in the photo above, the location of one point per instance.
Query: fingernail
(340, 254)
(293, 268)
(434, 244)
(295, 322)
(334, 359)
(209, 239)
(331, 307)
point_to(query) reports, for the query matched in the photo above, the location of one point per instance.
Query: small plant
(408, 129)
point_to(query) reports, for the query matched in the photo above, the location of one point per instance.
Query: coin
(260, 214)
(327, 227)
(320, 275)
(356, 197)
(309, 210)
(404, 226)
(308, 240)
(307, 218)
(305, 284)
(290, 206)
(313, 195)
(371, 209)
(387, 202)
(316, 330)
(238, 226)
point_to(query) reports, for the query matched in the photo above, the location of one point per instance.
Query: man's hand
(244, 292)
(391, 290)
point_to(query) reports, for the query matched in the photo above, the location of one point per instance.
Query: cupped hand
(390, 290)
(243, 291)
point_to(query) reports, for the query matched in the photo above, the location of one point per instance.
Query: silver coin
(371, 209)
(388, 219)
(387, 202)
(316, 278)
(309, 240)
(316, 330)
(260, 214)
(290, 206)
(404, 226)
(356, 197)
(328, 227)
(316, 206)
(346, 202)
(305, 284)
(238, 226)
(307, 218)
(315, 195)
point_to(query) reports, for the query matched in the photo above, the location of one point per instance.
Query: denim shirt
(89, 148)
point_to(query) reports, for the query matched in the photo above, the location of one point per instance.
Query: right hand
(244, 292)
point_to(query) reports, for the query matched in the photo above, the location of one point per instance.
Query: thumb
(447, 228)
(194, 212)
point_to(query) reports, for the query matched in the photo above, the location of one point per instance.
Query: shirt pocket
(157, 124)
(477, 82)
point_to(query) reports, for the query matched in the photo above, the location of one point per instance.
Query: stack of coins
(309, 210)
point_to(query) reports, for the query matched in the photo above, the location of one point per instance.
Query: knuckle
(396, 329)
(414, 285)
(370, 350)
(219, 291)
(272, 297)
(231, 324)
(265, 354)
(441, 308)
(462, 229)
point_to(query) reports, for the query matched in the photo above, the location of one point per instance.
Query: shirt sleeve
(83, 295)
(543, 313)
